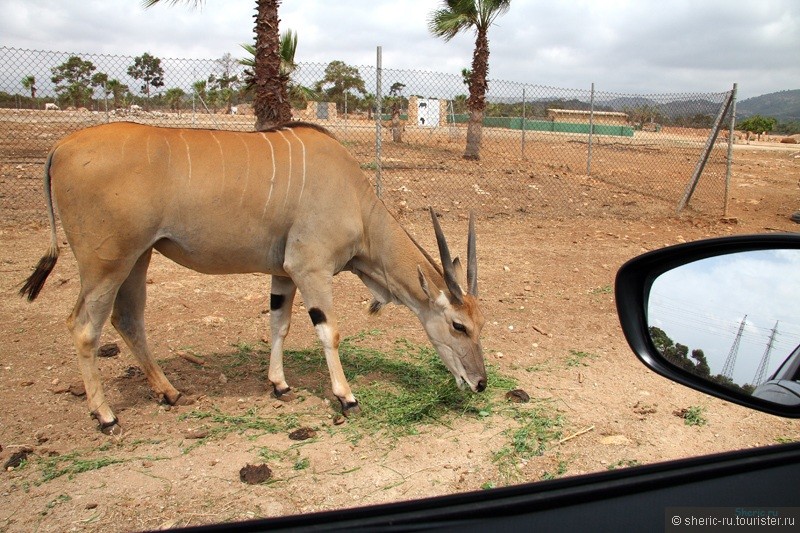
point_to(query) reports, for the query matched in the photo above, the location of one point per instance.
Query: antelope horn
(472, 258)
(447, 263)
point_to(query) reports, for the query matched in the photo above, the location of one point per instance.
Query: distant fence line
(545, 151)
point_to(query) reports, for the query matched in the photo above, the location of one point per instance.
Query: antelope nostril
(481, 385)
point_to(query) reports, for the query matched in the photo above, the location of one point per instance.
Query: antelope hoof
(350, 408)
(285, 395)
(175, 399)
(183, 399)
(112, 429)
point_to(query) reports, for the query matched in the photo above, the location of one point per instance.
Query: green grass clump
(579, 358)
(219, 423)
(693, 416)
(411, 385)
(73, 463)
(537, 427)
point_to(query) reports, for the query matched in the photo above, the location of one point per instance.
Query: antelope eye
(458, 326)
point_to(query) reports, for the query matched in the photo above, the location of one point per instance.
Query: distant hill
(783, 105)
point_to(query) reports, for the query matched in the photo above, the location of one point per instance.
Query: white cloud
(646, 46)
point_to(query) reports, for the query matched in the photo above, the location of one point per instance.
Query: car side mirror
(721, 316)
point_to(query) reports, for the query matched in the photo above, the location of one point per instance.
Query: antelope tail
(35, 282)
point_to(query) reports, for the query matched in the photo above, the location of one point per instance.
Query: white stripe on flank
(123, 147)
(221, 158)
(303, 147)
(188, 155)
(147, 149)
(289, 181)
(247, 170)
(169, 156)
(272, 180)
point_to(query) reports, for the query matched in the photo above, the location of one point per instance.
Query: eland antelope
(289, 201)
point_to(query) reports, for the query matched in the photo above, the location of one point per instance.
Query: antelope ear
(458, 269)
(440, 300)
(423, 282)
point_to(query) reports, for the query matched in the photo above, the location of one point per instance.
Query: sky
(702, 305)
(622, 46)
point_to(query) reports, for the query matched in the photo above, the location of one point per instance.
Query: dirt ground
(546, 290)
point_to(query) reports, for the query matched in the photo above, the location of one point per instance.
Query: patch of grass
(400, 391)
(290, 456)
(220, 423)
(537, 428)
(693, 416)
(578, 358)
(784, 440)
(411, 386)
(49, 506)
(536, 368)
(561, 469)
(235, 364)
(605, 289)
(73, 463)
(623, 463)
(268, 454)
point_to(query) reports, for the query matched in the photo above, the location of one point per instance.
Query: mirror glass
(733, 319)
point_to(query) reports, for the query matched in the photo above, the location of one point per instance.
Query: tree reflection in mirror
(734, 320)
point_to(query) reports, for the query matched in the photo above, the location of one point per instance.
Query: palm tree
(298, 94)
(271, 103)
(174, 98)
(29, 82)
(117, 89)
(454, 17)
(288, 48)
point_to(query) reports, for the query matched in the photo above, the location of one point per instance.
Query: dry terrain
(546, 289)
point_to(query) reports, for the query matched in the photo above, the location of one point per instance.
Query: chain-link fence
(544, 151)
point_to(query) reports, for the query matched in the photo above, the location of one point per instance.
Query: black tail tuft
(375, 307)
(36, 280)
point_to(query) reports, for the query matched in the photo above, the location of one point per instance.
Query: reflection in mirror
(733, 319)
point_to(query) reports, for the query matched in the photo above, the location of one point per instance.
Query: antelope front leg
(328, 333)
(316, 290)
(280, 315)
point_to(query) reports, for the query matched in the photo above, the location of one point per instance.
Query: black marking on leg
(276, 301)
(317, 316)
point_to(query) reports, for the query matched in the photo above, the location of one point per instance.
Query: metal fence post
(701, 163)
(523, 122)
(591, 133)
(105, 99)
(730, 153)
(378, 113)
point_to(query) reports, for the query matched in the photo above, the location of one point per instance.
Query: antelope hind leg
(128, 318)
(86, 324)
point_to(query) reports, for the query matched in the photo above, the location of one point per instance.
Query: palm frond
(447, 24)
(456, 16)
(193, 3)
